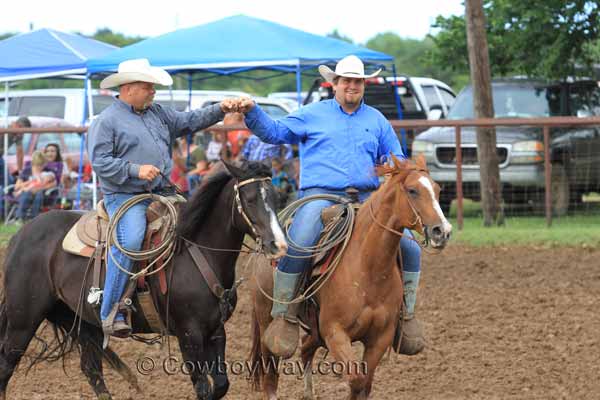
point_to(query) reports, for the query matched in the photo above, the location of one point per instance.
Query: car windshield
(509, 102)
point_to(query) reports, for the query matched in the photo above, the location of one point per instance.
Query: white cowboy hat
(350, 67)
(138, 70)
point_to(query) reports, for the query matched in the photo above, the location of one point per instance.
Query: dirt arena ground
(502, 323)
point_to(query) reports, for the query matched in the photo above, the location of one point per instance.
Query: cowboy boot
(282, 334)
(409, 339)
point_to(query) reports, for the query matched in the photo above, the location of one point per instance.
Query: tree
(115, 38)
(491, 193)
(542, 38)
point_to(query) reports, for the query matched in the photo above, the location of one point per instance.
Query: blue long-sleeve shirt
(337, 149)
(121, 140)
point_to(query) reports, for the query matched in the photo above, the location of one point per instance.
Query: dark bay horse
(362, 299)
(42, 281)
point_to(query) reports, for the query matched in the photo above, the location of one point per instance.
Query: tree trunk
(479, 62)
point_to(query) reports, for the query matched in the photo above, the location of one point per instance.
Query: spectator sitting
(238, 137)
(257, 150)
(186, 155)
(281, 182)
(30, 187)
(194, 177)
(56, 163)
(216, 150)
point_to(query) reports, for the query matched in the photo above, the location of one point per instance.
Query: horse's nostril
(436, 231)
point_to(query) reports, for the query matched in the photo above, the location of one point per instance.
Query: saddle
(88, 238)
(92, 227)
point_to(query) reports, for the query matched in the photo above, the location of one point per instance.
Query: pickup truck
(575, 151)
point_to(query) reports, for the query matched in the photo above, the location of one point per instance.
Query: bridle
(425, 243)
(240, 208)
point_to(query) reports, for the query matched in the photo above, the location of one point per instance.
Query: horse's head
(418, 198)
(255, 203)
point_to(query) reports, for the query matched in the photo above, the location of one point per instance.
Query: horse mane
(400, 166)
(196, 210)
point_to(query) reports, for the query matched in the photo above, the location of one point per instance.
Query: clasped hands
(238, 104)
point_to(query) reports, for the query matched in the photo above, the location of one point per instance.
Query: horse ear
(397, 162)
(421, 163)
(233, 170)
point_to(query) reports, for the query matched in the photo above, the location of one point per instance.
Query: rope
(341, 236)
(166, 247)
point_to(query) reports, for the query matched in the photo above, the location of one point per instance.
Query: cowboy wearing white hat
(349, 67)
(129, 147)
(340, 141)
(138, 70)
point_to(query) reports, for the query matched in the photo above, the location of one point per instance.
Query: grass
(573, 230)
(6, 232)
(580, 229)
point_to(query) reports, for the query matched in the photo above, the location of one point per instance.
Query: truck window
(431, 96)
(43, 106)
(100, 102)
(447, 96)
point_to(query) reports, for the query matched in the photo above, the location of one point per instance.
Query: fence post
(547, 176)
(459, 189)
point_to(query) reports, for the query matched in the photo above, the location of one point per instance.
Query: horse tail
(62, 340)
(118, 365)
(256, 356)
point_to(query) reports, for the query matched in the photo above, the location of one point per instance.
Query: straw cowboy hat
(350, 67)
(138, 70)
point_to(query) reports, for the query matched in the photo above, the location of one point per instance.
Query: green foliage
(337, 35)
(550, 39)
(115, 38)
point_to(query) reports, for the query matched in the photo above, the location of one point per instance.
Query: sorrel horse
(42, 281)
(362, 299)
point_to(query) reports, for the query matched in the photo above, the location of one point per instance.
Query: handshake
(239, 104)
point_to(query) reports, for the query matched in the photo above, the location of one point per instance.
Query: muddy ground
(501, 323)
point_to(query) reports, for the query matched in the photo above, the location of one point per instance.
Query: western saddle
(87, 238)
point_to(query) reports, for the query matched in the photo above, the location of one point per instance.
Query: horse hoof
(104, 396)
(205, 389)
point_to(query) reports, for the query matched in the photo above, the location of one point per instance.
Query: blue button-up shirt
(121, 140)
(337, 149)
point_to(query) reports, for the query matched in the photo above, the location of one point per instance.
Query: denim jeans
(307, 226)
(27, 199)
(130, 234)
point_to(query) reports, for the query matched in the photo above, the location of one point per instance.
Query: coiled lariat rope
(338, 236)
(164, 250)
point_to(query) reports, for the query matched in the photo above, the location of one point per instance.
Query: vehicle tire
(560, 193)
(560, 190)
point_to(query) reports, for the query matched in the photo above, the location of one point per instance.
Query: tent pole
(189, 135)
(299, 84)
(400, 113)
(5, 172)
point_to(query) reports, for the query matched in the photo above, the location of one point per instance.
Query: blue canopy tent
(45, 53)
(238, 44)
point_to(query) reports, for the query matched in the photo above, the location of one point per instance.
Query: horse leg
(215, 355)
(310, 345)
(340, 346)
(264, 372)
(194, 347)
(19, 329)
(374, 351)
